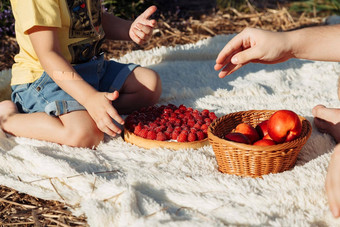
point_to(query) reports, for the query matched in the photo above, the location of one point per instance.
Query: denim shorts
(44, 95)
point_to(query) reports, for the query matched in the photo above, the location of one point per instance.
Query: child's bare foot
(327, 120)
(7, 108)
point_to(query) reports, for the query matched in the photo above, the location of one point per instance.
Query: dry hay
(24, 210)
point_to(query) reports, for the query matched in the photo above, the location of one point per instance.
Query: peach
(237, 137)
(248, 130)
(264, 142)
(284, 126)
(262, 128)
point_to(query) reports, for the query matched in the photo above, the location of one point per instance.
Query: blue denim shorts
(44, 95)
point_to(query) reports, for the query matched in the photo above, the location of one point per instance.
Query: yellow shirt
(79, 26)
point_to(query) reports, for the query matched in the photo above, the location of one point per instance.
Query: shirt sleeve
(38, 13)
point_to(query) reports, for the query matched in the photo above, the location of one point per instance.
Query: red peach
(264, 142)
(248, 130)
(267, 137)
(284, 126)
(262, 128)
(237, 137)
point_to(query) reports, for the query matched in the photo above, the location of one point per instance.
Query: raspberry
(143, 133)
(138, 128)
(153, 125)
(167, 135)
(204, 126)
(193, 130)
(189, 109)
(200, 135)
(174, 135)
(178, 129)
(170, 129)
(197, 126)
(167, 110)
(191, 123)
(212, 116)
(205, 112)
(183, 136)
(182, 107)
(151, 135)
(160, 136)
(192, 137)
(207, 121)
(178, 111)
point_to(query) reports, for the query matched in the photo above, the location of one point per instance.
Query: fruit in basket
(248, 130)
(267, 137)
(262, 128)
(237, 137)
(284, 126)
(264, 142)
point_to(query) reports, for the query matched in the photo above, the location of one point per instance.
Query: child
(315, 43)
(63, 89)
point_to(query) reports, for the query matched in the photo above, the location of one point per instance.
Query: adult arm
(255, 45)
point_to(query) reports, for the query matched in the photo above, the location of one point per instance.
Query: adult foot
(327, 120)
(7, 108)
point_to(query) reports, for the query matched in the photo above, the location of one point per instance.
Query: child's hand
(333, 182)
(102, 112)
(252, 45)
(141, 29)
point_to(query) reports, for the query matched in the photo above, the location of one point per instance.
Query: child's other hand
(102, 112)
(141, 29)
(333, 182)
(252, 45)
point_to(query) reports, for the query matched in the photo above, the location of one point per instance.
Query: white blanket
(120, 184)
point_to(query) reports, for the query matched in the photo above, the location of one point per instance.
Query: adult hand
(253, 45)
(141, 29)
(333, 182)
(100, 108)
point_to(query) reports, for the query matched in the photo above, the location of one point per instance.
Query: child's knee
(157, 88)
(85, 137)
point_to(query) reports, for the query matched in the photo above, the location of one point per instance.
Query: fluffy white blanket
(120, 184)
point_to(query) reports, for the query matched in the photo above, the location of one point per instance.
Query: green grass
(316, 7)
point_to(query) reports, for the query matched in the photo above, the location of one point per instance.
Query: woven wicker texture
(249, 160)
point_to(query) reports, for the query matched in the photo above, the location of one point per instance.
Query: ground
(21, 209)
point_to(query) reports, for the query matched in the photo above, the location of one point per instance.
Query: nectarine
(264, 142)
(237, 137)
(262, 128)
(284, 126)
(248, 130)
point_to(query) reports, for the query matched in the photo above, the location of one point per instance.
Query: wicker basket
(249, 160)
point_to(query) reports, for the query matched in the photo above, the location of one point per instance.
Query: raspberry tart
(168, 126)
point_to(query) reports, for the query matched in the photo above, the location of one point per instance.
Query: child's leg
(142, 88)
(327, 120)
(74, 129)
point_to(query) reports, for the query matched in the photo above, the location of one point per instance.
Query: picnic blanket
(120, 184)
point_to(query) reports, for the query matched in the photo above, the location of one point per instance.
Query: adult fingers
(233, 45)
(229, 69)
(246, 56)
(226, 60)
